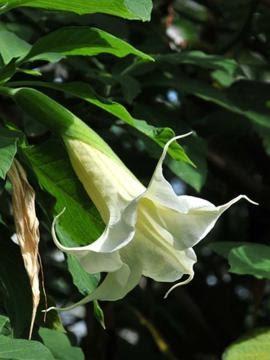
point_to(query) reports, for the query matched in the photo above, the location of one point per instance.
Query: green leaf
(80, 224)
(17, 349)
(8, 149)
(158, 134)
(128, 9)
(251, 259)
(59, 345)
(245, 258)
(16, 47)
(246, 98)
(4, 326)
(130, 87)
(58, 179)
(234, 99)
(19, 48)
(142, 8)
(53, 319)
(55, 175)
(223, 248)
(7, 71)
(82, 40)
(99, 315)
(255, 346)
(56, 117)
(84, 282)
(161, 136)
(15, 292)
(225, 70)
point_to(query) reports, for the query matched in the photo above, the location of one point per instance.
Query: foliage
(196, 65)
(253, 346)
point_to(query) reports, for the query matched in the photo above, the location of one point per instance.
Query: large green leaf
(55, 116)
(255, 346)
(59, 345)
(82, 40)
(55, 175)
(8, 149)
(80, 224)
(11, 46)
(128, 9)
(160, 135)
(245, 258)
(17, 349)
(15, 292)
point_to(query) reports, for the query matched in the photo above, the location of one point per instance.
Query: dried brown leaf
(27, 229)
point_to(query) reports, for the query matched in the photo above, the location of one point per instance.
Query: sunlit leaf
(16, 48)
(82, 40)
(159, 135)
(123, 8)
(255, 346)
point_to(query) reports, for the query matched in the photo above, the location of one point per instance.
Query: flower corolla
(149, 231)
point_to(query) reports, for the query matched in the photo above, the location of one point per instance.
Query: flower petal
(115, 192)
(185, 219)
(103, 254)
(152, 249)
(114, 287)
(108, 182)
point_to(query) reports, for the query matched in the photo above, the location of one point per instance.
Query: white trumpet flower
(149, 231)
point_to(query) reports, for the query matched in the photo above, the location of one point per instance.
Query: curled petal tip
(58, 216)
(166, 147)
(61, 212)
(249, 200)
(184, 135)
(178, 284)
(181, 136)
(49, 309)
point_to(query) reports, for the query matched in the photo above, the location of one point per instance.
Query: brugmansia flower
(149, 231)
